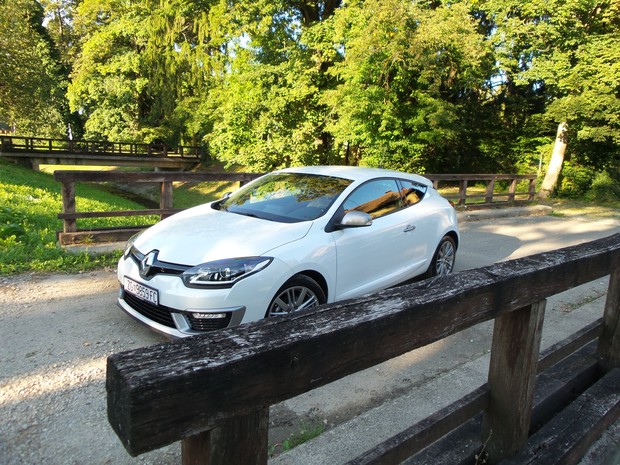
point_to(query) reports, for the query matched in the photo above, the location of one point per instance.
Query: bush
(604, 188)
(576, 180)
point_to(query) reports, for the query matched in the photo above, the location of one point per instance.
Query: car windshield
(286, 197)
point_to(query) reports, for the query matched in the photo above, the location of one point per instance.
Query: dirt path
(56, 332)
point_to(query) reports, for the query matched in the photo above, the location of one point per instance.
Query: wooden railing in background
(490, 195)
(60, 146)
(36, 151)
(72, 235)
(213, 393)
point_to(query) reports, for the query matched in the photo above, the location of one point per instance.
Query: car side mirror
(355, 219)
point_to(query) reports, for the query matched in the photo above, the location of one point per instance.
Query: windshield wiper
(246, 213)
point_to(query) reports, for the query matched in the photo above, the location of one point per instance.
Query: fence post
(462, 192)
(512, 376)
(488, 198)
(238, 440)
(512, 189)
(67, 190)
(166, 197)
(532, 189)
(609, 341)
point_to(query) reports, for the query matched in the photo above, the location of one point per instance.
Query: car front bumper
(176, 323)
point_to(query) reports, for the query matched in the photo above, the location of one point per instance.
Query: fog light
(209, 316)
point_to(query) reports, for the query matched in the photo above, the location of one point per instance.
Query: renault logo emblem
(147, 263)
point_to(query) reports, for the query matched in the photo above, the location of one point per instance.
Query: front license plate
(141, 291)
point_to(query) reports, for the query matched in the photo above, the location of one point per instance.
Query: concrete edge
(491, 213)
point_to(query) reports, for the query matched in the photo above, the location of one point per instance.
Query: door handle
(409, 228)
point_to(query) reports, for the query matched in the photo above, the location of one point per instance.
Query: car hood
(202, 234)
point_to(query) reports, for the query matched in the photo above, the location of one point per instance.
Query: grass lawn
(30, 202)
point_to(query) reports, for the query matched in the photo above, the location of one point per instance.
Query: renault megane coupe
(289, 240)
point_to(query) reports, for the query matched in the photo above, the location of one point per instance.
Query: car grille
(157, 313)
(162, 314)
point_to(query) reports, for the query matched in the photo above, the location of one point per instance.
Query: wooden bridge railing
(71, 234)
(213, 392)
(17, 144)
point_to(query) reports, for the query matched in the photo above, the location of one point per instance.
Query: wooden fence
(64, 146)
(72, 235)
(490, 195)
(213, 392)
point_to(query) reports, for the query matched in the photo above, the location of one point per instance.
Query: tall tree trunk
(555, 164)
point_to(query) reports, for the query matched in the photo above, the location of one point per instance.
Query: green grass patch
(566, 208)
(29, 204)
(305, 434)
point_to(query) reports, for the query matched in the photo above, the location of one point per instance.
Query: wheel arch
(454, 236)
(318, 277)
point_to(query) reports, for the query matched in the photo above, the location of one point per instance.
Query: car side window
(377, 198)
(411, 192)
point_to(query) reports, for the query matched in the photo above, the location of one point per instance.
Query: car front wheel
(444, 258)
(298, 293)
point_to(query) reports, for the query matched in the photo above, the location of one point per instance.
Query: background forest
(425, 86)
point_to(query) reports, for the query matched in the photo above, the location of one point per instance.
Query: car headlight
(129, 244)
(224, 273)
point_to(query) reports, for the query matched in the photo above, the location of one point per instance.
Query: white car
(289, 240)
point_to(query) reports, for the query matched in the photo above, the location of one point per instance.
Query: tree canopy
(32, 79)
(427, 86)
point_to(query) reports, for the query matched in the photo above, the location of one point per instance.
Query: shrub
(604, 188)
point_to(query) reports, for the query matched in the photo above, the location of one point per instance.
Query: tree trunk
(555, 164)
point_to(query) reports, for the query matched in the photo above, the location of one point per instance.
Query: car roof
(357, 173)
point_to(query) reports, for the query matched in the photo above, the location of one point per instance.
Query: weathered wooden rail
(72, 235)
(38, 151)
(213, 392)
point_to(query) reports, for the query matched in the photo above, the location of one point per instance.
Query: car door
(385, 253)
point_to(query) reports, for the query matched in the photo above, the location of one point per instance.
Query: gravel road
(56, 332)
(52, 376)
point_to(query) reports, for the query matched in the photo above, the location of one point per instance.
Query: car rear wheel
(444, 258)
(298, 293)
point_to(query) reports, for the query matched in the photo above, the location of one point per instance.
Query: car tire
(298, 293)
(443, 260)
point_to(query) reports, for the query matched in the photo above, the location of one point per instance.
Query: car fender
(319, 258)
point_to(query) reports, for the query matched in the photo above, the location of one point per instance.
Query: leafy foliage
(465, 85)
(32, 81)
(405, 81)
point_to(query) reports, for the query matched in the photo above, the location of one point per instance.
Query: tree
(568, 51)
(59, 26)
(142, 65)
(32, 83)
(266, 112)
(555, 165)
(407, 75)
